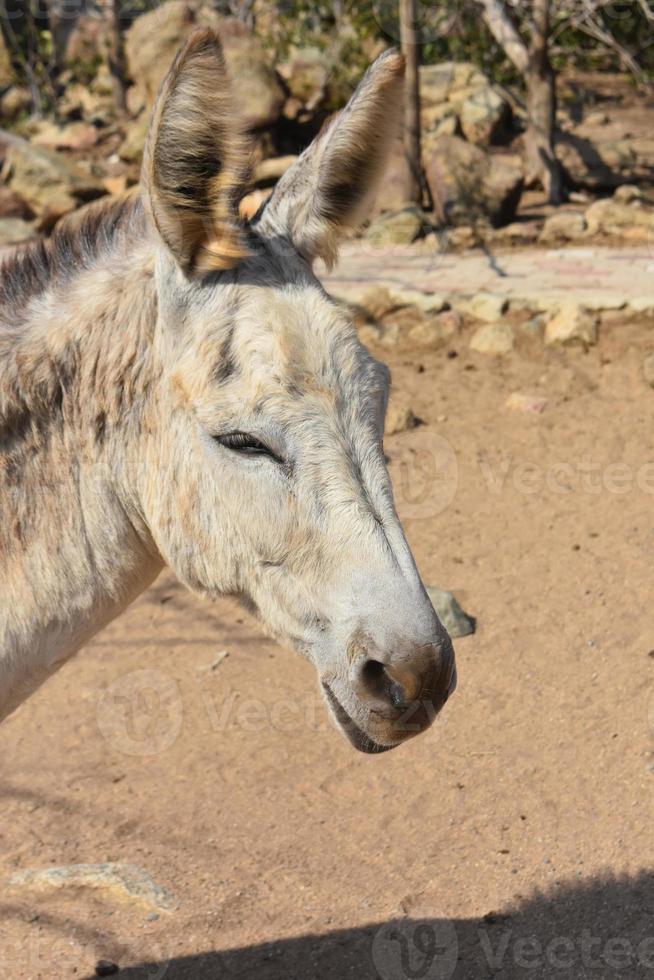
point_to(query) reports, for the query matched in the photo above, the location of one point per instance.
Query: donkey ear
(196, 161)
(329, 188)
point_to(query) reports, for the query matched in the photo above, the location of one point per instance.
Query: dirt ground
(514, 839)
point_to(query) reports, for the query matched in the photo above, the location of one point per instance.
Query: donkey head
(265, 473)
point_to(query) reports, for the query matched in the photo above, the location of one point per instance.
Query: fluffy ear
(328, 189)
(196, 161)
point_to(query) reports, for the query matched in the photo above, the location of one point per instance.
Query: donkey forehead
(286, 337)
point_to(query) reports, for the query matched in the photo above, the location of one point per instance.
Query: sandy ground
(514, 839)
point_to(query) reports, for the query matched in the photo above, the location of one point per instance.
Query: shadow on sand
(601, 929)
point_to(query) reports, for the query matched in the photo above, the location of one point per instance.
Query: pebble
(450, 613)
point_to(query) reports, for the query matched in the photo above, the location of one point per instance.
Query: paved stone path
(597, 277)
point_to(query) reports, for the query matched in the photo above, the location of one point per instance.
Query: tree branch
(502, 28)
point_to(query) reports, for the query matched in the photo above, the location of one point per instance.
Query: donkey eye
(246, 444)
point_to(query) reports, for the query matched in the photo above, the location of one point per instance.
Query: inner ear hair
(197, 163)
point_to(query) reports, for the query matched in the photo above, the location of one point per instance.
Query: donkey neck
(76, 373)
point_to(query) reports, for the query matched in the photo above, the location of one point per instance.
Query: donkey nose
(413, 683)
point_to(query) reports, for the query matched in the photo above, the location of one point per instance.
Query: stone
(597, 118)
(399, 416)
(534, 404)
(454, 619)
(438, 120)
(50, 184)
(307, 73)
(486, 306)
(627, 193)
(573, 324)
(15, 230)
(642, 304)
(270, 170)
(397, 227)
(154, 38)
(11, 205)
(485, 117)
(648, 370)
(518, 231)
(435, 331)
(126, 882)
(468, 184)
(563, 226)
(15, 101)
(392, 191)
(493, 338)
(73, 136)
(609, 216)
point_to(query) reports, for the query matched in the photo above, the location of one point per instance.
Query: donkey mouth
(356, 736)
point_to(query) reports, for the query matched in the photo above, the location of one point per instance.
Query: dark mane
(77, 242)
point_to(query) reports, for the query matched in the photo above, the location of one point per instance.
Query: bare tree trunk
(533, 63)
(542, 163)
(409, 43)
(115, 51)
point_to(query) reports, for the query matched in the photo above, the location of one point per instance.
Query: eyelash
(246, 445)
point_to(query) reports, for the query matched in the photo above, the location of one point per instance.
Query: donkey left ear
(329, 188)
(196, 161)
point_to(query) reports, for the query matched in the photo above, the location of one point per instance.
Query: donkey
(177, 388)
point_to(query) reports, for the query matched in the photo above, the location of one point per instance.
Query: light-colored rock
(399, 417)
(73, 136)
(467, 184)
(530, 404)
(563, 226)
(642, 304)
(485, 117)
(518, 231)
(270, 170)
(456, 622)
(397, 227)
(485, 306)
(648, 369)
(573, 324)
(15, 101)
(125, 882)
(613, 217)
(435, 331)
(440, 119)
(493, 338)
(154, 38)
(14, 230)
(627, 193)
(306, 72)
(50, 184)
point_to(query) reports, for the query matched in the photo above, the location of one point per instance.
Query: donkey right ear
(196, 161)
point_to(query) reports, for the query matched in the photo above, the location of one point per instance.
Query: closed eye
(247, 445)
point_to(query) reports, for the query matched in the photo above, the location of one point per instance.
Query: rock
(627, 193)
(15, 101)
(485, 117)
(467, 184)
(50, 184)
(563, 226)
(485, 306)
(456, 622)
(642, 304)
(306, 72)
(597, 118)
(573, 324)
(399, 416)
(493, 338)
(14, 230)
(435, 331)
(438, 120)
(397, 227)
(648, 370)
(12, 206)
(517, 402)
(154, 38)
(73, 136)
(518, 231)
(392, 193)
(123, 881)
(534, 326)
(84, 45)
(269, 171)
(613, 217)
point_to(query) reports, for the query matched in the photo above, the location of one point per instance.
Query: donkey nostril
(380, 684)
